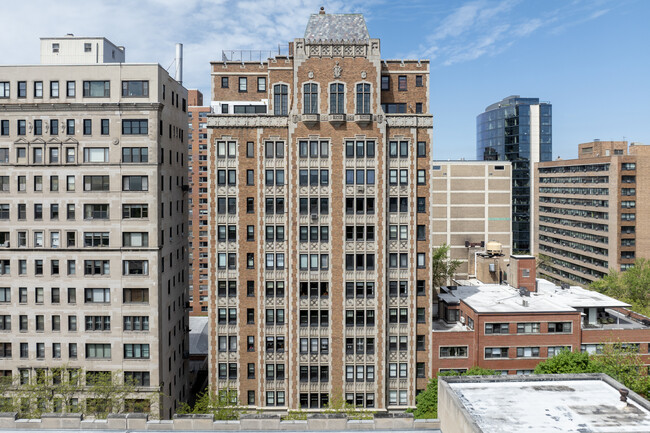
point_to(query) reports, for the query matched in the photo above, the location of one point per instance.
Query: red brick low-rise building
(511, 330)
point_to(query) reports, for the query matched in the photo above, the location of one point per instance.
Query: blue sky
(590, 59)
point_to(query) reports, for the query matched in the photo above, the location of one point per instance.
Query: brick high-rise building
(197, 142)
(320, 285)
(93, 257)
(587, 211)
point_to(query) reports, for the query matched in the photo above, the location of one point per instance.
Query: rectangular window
(22, 89)
(135, 88)
(243, 84)
(4, 89)
(261, 84)
(385, 82)
(527, 352)
(528, 328)
(96, 183)
(401, 83)
(54, 89)
(95, 154)
(496, 352)
(134, 183)
(135, 154)
(70, 89)
(96, 89)
(453, 352)
(134, 127)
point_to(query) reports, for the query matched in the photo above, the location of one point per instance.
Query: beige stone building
(320, 283)
(93, 264)
(472, 205)
(588, 211)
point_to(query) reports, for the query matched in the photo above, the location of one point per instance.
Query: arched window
(337, 98)
(311, 98)
(280, 100)
(363, 98)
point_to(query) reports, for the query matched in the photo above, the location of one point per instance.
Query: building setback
(93, 264)
(197, 143)
(587, 210)
(326, 152)
(518, 130)
(472, 205)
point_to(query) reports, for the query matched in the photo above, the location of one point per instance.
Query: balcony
(609, 319)
(310, 119)
(337, 119)
(363, 119)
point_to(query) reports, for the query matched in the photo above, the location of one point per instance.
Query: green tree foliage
(442, 268)
(426, 403)
(631, 286)
(60, 390)
(337, 404)
(620, 361)
(223, 404)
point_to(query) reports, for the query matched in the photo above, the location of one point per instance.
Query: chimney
(179, 63)
(322, 10)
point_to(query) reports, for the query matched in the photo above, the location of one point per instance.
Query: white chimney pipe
(179, 63)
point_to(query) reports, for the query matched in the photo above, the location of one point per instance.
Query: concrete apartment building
(587, 210)
(472, 205)
(93, 263)
(513, 327)
(320, 283)
(519, 130)
(197, 143)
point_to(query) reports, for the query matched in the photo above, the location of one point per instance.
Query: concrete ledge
(264, 422)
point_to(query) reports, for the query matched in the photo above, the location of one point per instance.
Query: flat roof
(549, 403)
(198, 335)
(502, 298)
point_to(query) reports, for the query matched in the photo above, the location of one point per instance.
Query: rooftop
(502, 298)
(336, 27)
(198, 335)
(543, 403)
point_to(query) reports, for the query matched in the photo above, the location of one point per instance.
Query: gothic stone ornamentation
(337, 70)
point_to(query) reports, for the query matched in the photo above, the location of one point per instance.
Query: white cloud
(149, 29)
(485, 28)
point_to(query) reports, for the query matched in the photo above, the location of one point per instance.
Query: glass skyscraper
(517, 130)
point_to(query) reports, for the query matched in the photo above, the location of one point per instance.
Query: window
(243, 84)
(559, 327)
(70, 89)
(4, 89)
(135, 154)
(135, 296)
(98, 351)
(97, 296)
(135, 239)
(136, 351)
(21, 128)
(261, 84)
(135, 267)
(280, 100)
(528, 328)
(363, 98)
(137, 378)
(224, 82)
(385, 82)
(4, 127)
(418, 81)
(527, 352)
(496, 352)
(135, 88)
(22, 89)
(497, 328)
(134, 127)
(453, 352)
(556, 350)
(422, 177)
(310, 92)
(96, 154)
(134, 183)
(337, 98)
(418, 108)
(401, 83)
(135, 211)
(97, 89)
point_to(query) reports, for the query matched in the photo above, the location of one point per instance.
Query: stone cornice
(247, 121)
(96, 106)
(410, 121)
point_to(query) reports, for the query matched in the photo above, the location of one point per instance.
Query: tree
(618, 360)
(631, 286)
(223, 404)
(426, 402)
(442, 268)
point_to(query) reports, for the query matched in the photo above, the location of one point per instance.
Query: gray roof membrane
(336, 27)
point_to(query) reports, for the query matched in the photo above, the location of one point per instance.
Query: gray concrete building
(93, 222)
